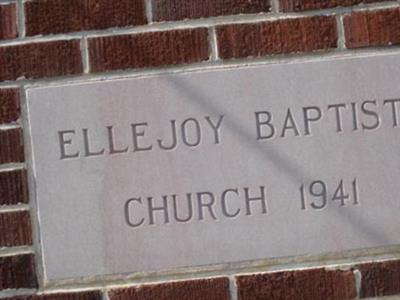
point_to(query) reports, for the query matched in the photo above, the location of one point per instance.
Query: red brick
(17, 272)
(60, 16)
(92, 295)
(206, 289)
(148, 49)
(40, 60)
(8, 21)
(9, 105)
(172, 10)
(15, 229)
(380, 279)
(301, 5)
(372, 28)
(13, 187)
(316, 284)
(277, 37)
(12, 147)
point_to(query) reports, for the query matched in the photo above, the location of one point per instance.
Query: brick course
(12, 148)
(206, 289)
(8, 21)
(278, 37)
(60, 16)
(315, 284)
(372, 28)
(15, 229)
(172, 10)
(13, 187)
(151, 49)
(17, 272)
(42, 59)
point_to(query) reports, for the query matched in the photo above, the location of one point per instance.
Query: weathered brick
(8, 21)
(206, 289)
(91, 295)
(372, 28)
(172, 10)
(12, 148)
(17, 272)
(15, 229)
(13, 187)
(60, 16)
(380, 279)
(40, 60)
(277, 37)
(301, 5)
(316, 284)
(9, 105)
(148, 49)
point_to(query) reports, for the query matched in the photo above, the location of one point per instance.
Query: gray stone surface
(95, 209)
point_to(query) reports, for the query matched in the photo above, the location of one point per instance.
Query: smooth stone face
(219, 166)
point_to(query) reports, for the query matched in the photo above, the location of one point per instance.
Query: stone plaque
(218, 166)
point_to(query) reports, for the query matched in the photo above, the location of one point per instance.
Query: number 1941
(317, 193)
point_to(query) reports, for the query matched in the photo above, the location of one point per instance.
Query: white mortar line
(13, 251)
(149, 10)
(5, 2)
(16, 292)
(39, 263)
(85, 55)
(77, 289)
(233, 288)
(21, 19)
(196, 23)
(340, 32)
(9, 126)
(213, 43)
(42, 39)
(12, 167)
(11, 85)
(13, 208)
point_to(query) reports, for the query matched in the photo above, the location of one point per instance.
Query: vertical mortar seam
(213, 44)
(21, 18)
(233, 288)
(357, 278)
(275, 6)
(104, 294)
(85, 55)
(341, 42)
(149, 10)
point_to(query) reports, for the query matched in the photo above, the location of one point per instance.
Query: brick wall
(61, 40)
